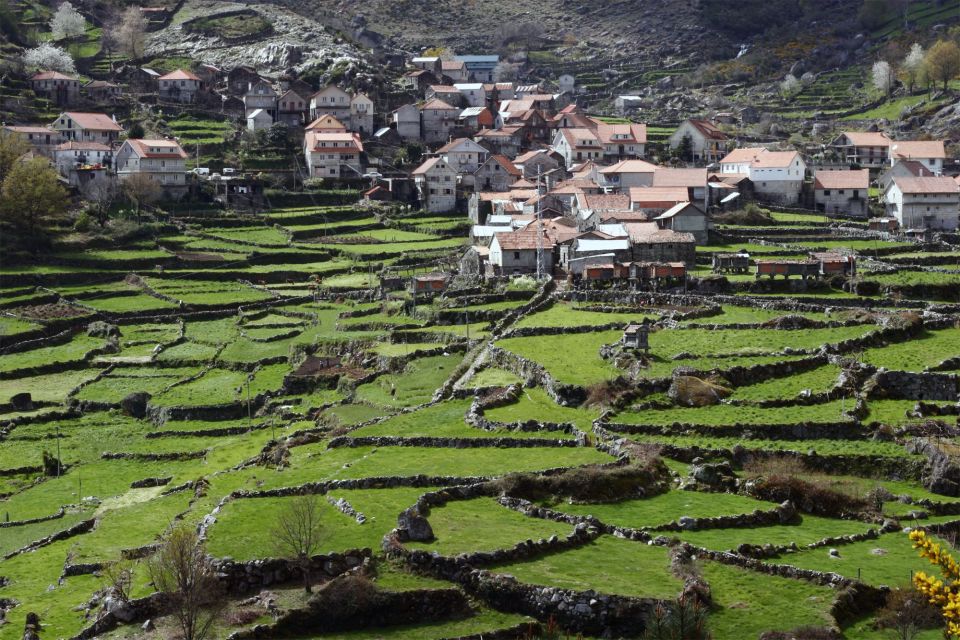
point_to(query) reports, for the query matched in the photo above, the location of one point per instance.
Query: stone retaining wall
(454, 443)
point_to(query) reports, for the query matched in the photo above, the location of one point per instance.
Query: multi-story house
(842, 192)
(333, 100)
(622, 141)
(436, 183)
(777, 176)
(43, 140)
(164, 161)
(930, 153)
(707, 143)
(924, 203)
(79, 126)
(361, 114)
(69, 156)
(437, 120)
(59, 88)
(292, 108)
(260, 95)
(333, 154)
(577, 145)
(868, 149)
(406, 120)
(179, 86)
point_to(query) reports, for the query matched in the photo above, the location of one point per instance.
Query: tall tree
(31, 195)
(12, 148)
(883, 76)
(181, 569)
(67, 22)
(297, 533)
(912, 67)
(943, 61)
(130, 33)
(48, 57)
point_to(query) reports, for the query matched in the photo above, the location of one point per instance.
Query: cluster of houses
(86, 150)
(537, 174)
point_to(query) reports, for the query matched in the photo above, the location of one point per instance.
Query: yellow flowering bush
(942, 593)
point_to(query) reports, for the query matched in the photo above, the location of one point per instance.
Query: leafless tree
(297, 533)
(102, 193)
(67, 22)
(182, 570)
(129, 34)
(142, 190)
(118, 577)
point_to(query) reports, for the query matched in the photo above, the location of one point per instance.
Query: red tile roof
(708, 130)
(868, 138)
(312, 140)
(51, 75)
(437, 104)
(167, 148)
(908, 149)
(93, 121)
(935, 184)
(667, 177)
(82, 146)
(179, 74)
(842, 179)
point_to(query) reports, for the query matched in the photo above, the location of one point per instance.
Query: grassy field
(195, 335)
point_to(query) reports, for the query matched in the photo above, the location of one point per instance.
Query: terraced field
(168, 390)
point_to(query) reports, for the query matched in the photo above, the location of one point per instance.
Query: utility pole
(540, 273)
(59, 464)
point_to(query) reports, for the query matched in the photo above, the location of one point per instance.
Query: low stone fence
(453, 443)
(77, 529)
(246, 577)
(19, 523)
(847, 430)
(913, 386)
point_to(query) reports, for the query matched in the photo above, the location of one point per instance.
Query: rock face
(295, 41)
(135, 404)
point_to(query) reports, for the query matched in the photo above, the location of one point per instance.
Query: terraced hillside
(490, 459)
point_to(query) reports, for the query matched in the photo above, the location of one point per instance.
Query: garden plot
(823, 447)
(74, 352)
(268, 236)
(444, 420)
(727, 414)
(747, 603)
(12, 326)
(927, 350)
(665, 508)
(121, 382)
(535, 405)
(214, 387)
(628, 568)
(414, 385)
(814, 381)
(568, 315)
(810, 529)
(52, 387)
(888, 560)
(207, 293)
(455, 527)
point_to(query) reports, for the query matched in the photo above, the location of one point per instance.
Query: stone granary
(636, 335)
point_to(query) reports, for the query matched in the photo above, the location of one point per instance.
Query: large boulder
(22, 401)
(691, 391)
(413, 526)
(100, 329)
(135, 404)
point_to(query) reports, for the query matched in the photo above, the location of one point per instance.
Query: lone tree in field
(141, 190)
(297, 533)
(182, 570)
(943, 62)
(67, 22)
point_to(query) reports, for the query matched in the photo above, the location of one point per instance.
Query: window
(516, 255)
(333, 172)
(841, 192)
